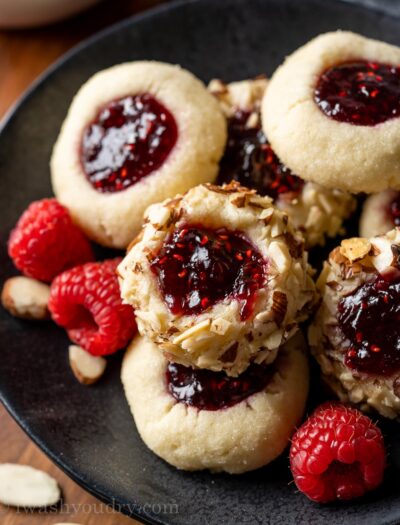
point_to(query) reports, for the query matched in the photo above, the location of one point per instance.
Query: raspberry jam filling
(207, 390)
(198, 267)
(129, 139)
(361, 93)
(250, 160)
(369, 317)
(393, 209)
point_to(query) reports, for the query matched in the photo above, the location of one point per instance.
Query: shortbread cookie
(380, 213)
(249, 159)
(240, 426)
(135, 134)
(331, 112)
(355, 335)
(218, 278)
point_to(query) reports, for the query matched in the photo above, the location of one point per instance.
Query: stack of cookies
(219, 281)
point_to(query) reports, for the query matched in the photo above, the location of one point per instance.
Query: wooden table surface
(23, 56)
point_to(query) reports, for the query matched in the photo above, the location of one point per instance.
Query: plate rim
(98, 35)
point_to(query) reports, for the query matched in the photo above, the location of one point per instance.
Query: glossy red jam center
(361, 93)
(207, 390)
(370, 320)
(393, 209)
(250, 160)
(129, 139)
(198, 267)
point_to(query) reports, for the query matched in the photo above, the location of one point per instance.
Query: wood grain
(77, 506)
(23, 56)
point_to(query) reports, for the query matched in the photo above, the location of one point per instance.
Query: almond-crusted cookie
(355, 334)
(380, 213)
(218, 278)
(249, 159)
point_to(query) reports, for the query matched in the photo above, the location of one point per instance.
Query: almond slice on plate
(24, 486)
(86, 368)
(26, 298)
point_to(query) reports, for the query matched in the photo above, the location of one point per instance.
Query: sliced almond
(384, 260)
(355, 249)
(220, 326)
(279, 306)
(26, 298)
(86, 368)
(253, 120)
(24, 486)
(190, 332)
(337, 257)
(279, 253)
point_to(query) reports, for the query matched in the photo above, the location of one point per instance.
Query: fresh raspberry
(86, 301)
(338, 453)
(45, 241)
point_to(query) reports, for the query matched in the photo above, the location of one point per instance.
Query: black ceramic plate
(89, 431)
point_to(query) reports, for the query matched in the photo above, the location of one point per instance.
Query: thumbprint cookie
(135, 134)
(331, 112)
(355, 335)
(197, 419)
(218, 278)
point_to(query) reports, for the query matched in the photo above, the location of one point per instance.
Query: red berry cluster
(85, 298)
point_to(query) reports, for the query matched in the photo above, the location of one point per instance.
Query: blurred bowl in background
(29, 13)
